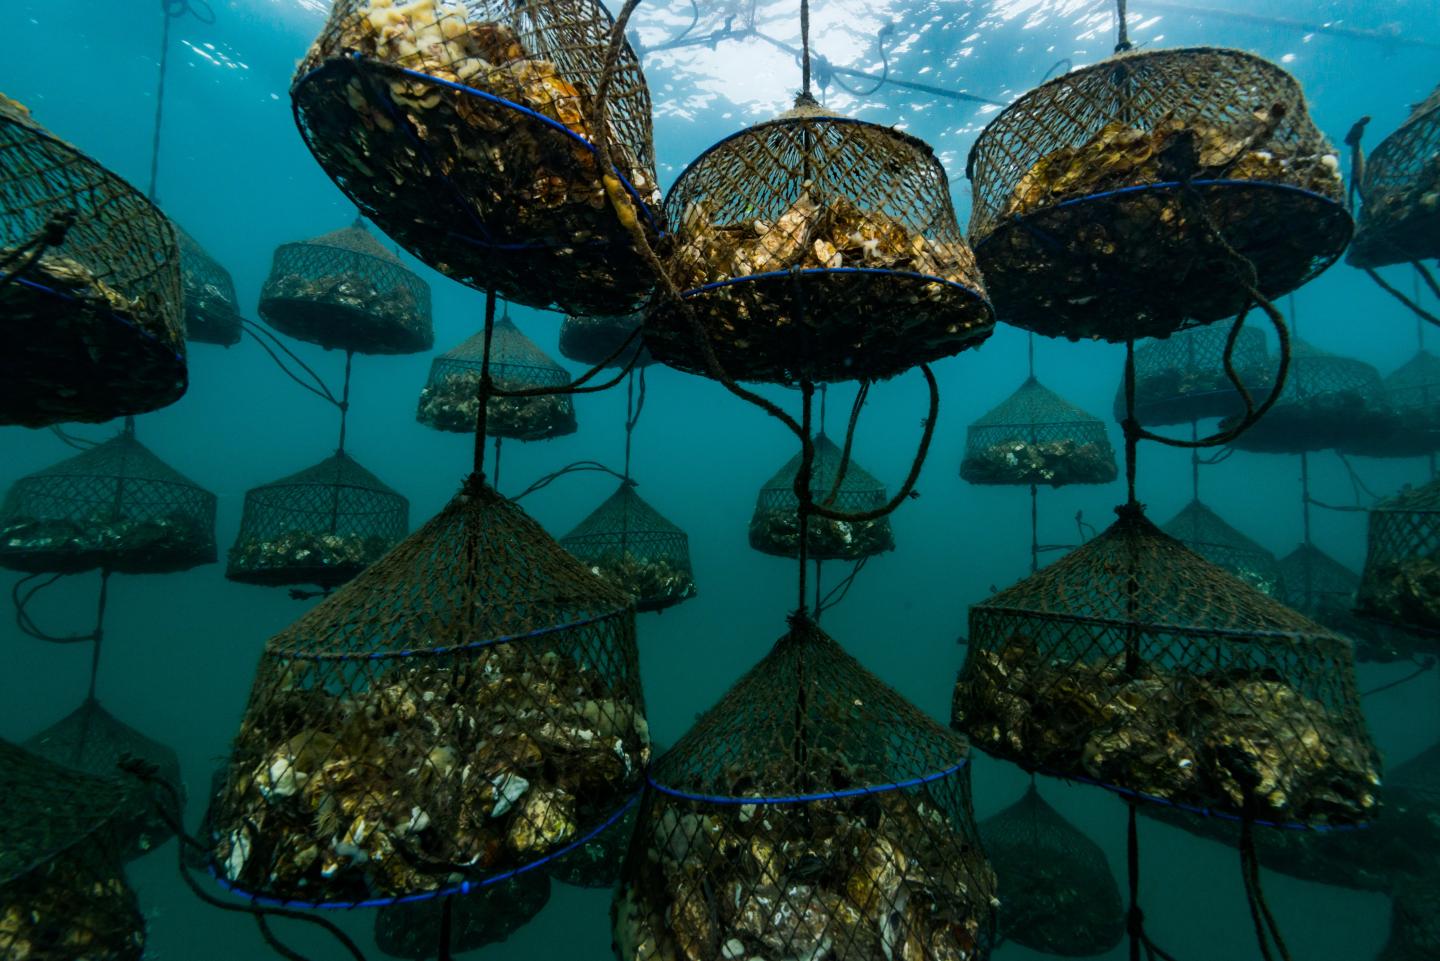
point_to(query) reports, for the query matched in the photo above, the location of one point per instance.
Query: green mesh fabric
(117, 507)
(1035, 436)
(1401, 581)
(486, 916)
(1058, 895)
(320, 526)
(593, 340)
(1204, 532)
(775, 525)
(630, 544)
(1134, 663)
(1412, 391)
(93, 329)
(1182, 378)
(343, 290)
(1399, 218)
(212, 314)
(1324, 590)
(466, 706)
(597, 863)
(811, 813)
(1414, 923)
(451, 397)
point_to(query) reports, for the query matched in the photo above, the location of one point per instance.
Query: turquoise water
(180, 650)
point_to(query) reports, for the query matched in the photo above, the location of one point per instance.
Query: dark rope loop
(1399, 295)
(51, 234)
(1426, 665)
(577, 467)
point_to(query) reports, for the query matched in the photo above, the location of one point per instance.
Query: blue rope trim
(802, 798)
(1114, 623)
(465, 887)
(60, 294)
(813, 271)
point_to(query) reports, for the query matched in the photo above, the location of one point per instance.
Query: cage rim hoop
(261, 489)
(495, 365)
(396, 264)
(730, 799)
(1088, 420)
(629, 531)
(974, 295)
(112, 315)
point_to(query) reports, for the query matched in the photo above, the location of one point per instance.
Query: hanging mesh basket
(451, 396)
(1328, 402)
(1412, 391)
(116, 507)
(92, 740)
(1182, 378)
(344, 290)
(1108, 201)
(818, 247)
(1414, 922)
(1037, 437)
(212, 314)
(63, 896)
(487, 916)
(468, 706)
(464, 130)
(629, 543)
(594, 340)
(597, 863)
(1201, 530)
(812, 813)
(1137, 665)
(93, 328)
(1059, 896)
(1401, 583)
(321, 526)
(775, 525)
(1324, 590)
(1400, 217)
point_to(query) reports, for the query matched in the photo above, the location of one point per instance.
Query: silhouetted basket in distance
(1401, 581)
(1182, 378)
(1035, 436)
(775, 525)
(1400, 193)
(1207, 534)
(1412, 391)
(212, 314)
(632, 545)
(485, 916)
(592, 340)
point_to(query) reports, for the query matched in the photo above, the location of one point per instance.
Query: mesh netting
(1136, 664)
(1414, 922)
(1328, 401)
(812, 813)
(1105, 200)
(486, 916)
(775, 525)
(344, 290)
(1058, 894)
(1182, 378)
(592, 340)
(1400, 217)
(596, 864)
(630, 544)
(464, 130)
(817, 247)
(62, 894)
(1202, 530)
(468, 705)
(320, 526)
(1412, 391)
(212, 314)
(1323, 589)
(92, 740)
(1419, 776)
(451, 397)
(1035, 436)
(1401, 582)
(92, 329)
(117, 507)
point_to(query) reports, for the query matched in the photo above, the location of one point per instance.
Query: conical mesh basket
(487, 916)
(1401, 582)
(1412, 391)
(451, 396)
(1135, 664)
(630, 544)
(1035, 436)
(1112, 201)
(117, 507)
(344, 290)
(464, 130)
(818, 247)
(1182, 378)
(775, 525)
(811, 813)
(212, 314)
(1400, 216)
(62, 894)
(320, 526)
(594, 340)
(1328, 402)
(1058, 894)
(466, 707)
(1203, 531)
(92, 329)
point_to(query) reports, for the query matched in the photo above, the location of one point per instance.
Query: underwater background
(180, 649)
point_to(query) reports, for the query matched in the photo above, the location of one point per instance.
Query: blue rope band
(61, 295)
(802, 798)
(814, 271)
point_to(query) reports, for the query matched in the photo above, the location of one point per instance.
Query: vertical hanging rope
(1195, 461)
(1305, 494)
(486, 387)
(344, 404)
(802, 487)
(1034, 529)
(1030, 352)
(166, 17)
(805, 47)
(1130, 427)
(495, 480)
(442, 953)
(1122, 42)
(1135, 921)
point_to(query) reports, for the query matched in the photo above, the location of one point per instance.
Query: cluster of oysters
(1056, 462)
(385, 308)
(654, 581)
(777, 531)
(74, 908)
(451, 401)
(331, 557)
(1405, 591)
(125, 544)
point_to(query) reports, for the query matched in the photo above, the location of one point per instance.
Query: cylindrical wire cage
(321, 526)
(1412, 391)
(212, 313)
(451, 396)
(115, 507)
(487, 916)
(775, 525)
(632, 545)
(93, 328)
(465, 709)
(811, 813)
(1400, 213)
(1182, 378)
(465, 131)
(1035, 436)
(1401, 581)
(343, 290)
(594, 340)
(1134, 664)
(1133, 197)
(1207, 534)
(817, 247)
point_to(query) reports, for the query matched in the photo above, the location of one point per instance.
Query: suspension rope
(577, 467)
(804, 499)
(98, 635)
(837, 593)
(52, 234)
(1399, 295)
(261, 335)
(446, 919)
(1122, 42)
(486, 388)
(805, 48)
(344, 403)
(1424, 665)
(1034, 529)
